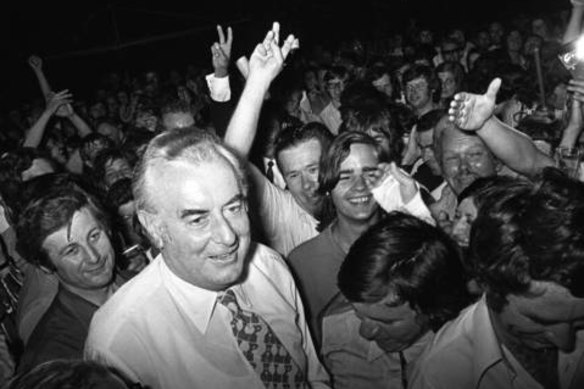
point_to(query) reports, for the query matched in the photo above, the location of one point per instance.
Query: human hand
(470, 111)
(445, 223)
(268, 58)
(35, 62)
(60, 103)
(407, 185)
(221, 52)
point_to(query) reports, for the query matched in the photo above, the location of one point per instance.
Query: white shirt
(278, 178)
(466, 354)
(285, 223)
(167, 333)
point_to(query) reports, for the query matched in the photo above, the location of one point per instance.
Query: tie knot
(229, 300)
(270, 164)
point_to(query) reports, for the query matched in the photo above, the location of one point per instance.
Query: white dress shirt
(167, 333)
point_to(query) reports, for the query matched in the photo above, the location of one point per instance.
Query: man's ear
(154, 226)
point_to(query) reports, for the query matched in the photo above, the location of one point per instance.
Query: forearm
(513, 148)
(82, 127)
(574, 24)
(35, 134)
(242, 128)
(43, 82)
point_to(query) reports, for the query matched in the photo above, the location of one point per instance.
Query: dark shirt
(61, 332)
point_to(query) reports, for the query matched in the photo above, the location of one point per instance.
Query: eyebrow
(185, 213)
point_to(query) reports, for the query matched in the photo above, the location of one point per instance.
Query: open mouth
(360, 200)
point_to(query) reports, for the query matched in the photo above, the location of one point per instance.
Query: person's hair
(91, 142)
(427, 73)
(339, 72)
(107, 157)
(184, 144)
(65, 374)
(339, 150)
(530, 231)
(175, 105)
(457, 71)
(47, 214)
(429, 120)
(119, 193)
(411, 258)
(377, 118)
(296, 135)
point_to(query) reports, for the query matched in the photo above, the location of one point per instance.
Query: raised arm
(265, 64)
(35, 134)
(574, 27)
(36, 64)
(64, 109)
(516, 150)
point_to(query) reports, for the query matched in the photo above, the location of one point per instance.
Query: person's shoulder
(305, 251)
(134, 295)
(265, 257)
(453, 345)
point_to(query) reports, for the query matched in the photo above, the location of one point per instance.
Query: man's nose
(307, 181)
(563, 336)
(223, 232)
(92, 254)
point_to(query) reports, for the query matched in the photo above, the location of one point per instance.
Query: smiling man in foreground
(213, 310)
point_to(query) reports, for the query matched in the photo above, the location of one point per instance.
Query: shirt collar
(489, 350)
(199, 302)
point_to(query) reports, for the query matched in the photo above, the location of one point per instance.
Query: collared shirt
(466, 353)
(278, 179)
(167, 333)
(357, 363)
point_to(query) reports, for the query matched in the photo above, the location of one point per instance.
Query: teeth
(359, 200)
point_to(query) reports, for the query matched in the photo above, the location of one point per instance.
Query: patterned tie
(262, 348)
(270, 171)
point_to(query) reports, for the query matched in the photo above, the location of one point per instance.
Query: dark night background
(78, 40)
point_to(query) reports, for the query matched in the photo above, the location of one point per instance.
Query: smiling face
(394, 326)
(548, 316)
(418, 93)
(351, 195)
(299, 165)
(201, 220)
(81, 253)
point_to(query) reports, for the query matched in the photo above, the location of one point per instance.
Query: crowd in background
(398, 91)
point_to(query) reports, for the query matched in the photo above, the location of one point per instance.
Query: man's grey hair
(187, 144)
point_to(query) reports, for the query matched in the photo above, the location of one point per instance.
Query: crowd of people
(397, 214)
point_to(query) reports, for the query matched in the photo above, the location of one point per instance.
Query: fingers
(276, 30)
(229, 36)
(221, 34)
(494, 88)
(290, 44)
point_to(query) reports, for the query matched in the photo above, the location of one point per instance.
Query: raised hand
(268, 58)
(35, 62)
(221, 52)
(60, 103)
(469, 111)
(407, 185)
